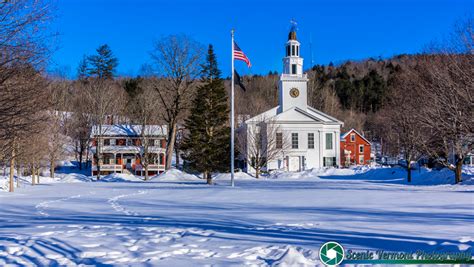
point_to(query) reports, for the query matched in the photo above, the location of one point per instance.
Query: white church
(298, 137)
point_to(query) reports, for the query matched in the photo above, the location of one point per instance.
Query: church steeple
(292, 86)
(292, 62)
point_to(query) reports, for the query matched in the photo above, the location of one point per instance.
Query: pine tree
(82, 71)
(207, 146)
(103, 64)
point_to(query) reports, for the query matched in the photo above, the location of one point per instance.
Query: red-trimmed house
(121, 149)
(355, 149)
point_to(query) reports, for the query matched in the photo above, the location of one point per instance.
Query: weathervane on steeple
(293, 25)
(293, 29)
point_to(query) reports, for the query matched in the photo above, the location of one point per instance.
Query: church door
(294, 164)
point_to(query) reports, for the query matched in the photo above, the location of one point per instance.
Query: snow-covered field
(177, 220)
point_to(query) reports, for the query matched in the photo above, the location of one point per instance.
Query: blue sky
(339, 29)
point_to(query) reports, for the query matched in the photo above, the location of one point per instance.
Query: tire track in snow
(46, 204)
(114, 202)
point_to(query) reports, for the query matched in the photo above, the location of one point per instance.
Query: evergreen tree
(206, 147)
(103, 64)
(133, 86)
(82, 72)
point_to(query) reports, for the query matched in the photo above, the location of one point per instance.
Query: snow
(120, 177)
(175, 219)
(237, 176)
(129, 130)
(174, 175)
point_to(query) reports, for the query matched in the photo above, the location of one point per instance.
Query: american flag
(239, 55)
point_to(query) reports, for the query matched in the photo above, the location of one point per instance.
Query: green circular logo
(331, 253)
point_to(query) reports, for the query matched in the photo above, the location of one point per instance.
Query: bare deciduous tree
(22, 54)
(145, 111)
(260, 142)
(445, 78)
(103, 98)
(402, 129)
(177, 59)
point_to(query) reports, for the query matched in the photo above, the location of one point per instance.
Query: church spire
(292, 33)
(292, 62)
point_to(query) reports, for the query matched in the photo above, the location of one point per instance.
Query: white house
(312, 137)
(121, 148)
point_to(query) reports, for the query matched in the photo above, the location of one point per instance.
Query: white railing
(108, 167)
(156, 167)
(151, 167)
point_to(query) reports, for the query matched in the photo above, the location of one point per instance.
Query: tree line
(418, 105)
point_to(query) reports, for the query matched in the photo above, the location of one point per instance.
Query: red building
(355, 149)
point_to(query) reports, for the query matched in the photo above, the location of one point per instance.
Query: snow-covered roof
(129, 130)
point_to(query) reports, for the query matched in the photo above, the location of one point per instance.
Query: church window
(293, 68)
(287, 50)
(328, 141)
(297, 51)
(294, 140)
(279, 140)
(329, 161)
(310, 140)
(292, 50)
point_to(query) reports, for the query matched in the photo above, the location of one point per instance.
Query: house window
(279, 140)
(294, 140)
(328, 141)
(151, 142)
(353, 137)
(310, 140)
(293, 68)
(361, 148)
(112, 142)
(329, 161)
(106, 142)
(361, 159)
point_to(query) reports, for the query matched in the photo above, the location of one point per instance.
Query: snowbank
(237, 176)
(310, 174)
(173, 175)
(65, 163)
(379, 174)
(120, 177)
(75, 178)
(4, 183)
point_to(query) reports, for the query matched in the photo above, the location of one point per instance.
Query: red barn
(355, 149)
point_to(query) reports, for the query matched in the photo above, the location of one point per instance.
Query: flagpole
(232, 117)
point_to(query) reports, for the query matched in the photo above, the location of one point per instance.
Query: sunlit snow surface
(176, 220)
